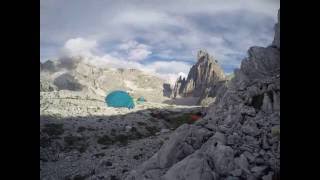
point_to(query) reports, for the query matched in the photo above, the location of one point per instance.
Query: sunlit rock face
(204, 79)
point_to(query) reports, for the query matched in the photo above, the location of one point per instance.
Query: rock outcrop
(204, 79)
(276, 40)
(239, 138)
(49, 65)
(178, 86)
(67, 82)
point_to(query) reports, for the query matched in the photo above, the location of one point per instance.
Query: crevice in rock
(257, 101)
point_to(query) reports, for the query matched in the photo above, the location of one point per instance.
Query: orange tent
(195, 117)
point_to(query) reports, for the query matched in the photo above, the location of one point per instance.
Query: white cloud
(167, 67)
(86, 50)
(141, 18)
(138, 54)
(183, 75)
(79, 47)
(135, 51)
(166, 26)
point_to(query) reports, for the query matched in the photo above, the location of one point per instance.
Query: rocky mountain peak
(49, 66)
(203, 55)
(204, 78)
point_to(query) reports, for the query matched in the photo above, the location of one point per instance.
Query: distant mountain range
(78, 75)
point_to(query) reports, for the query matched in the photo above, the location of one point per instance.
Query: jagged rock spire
(202, 77)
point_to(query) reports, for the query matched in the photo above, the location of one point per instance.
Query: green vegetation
(142, 123)
(176, 121)
(152, 130)
(135, 133)
(105, 140)
(74, 142)
(45, 142)
(81, 129)
(53, 130)
(230, 76)
(123, 139)
(275, 131)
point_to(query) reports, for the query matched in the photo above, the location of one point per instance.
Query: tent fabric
(141, 100)
(119, 99)
(195, 117)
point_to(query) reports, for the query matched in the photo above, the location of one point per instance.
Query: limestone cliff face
(204, 78)
(239, 138)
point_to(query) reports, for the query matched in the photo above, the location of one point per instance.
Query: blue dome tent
(119, 99)
(141, 100)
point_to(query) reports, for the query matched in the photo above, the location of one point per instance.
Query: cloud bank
(150, 34)
(88, 51)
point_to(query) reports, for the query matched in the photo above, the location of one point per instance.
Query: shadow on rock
(124, 140)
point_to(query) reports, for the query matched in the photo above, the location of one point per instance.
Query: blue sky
(156, 34)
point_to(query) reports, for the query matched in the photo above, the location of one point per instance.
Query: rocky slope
(84, 139)
(91, 80)
(204, 79)
(239, 138)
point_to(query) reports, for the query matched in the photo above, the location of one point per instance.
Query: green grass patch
(74, 142)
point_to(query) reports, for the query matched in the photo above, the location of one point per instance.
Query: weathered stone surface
(236, 172)
(223, 158)
(184, 141)
(219, 137)
(242, 163)
(193, 167)
(268, 177)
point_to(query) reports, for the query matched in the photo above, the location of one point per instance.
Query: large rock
(193, 167)
(67, 82)
(183, 142)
